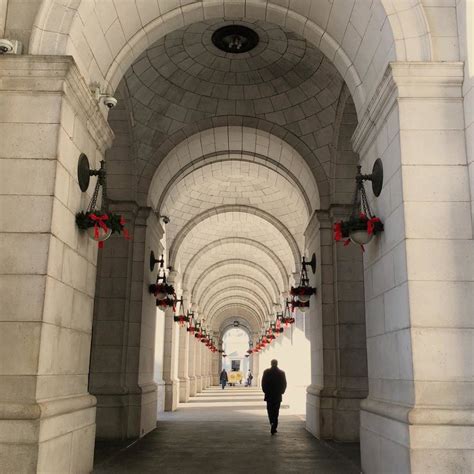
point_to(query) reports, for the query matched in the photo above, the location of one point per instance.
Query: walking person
(249, 378)
(223, 378)
(274, 386)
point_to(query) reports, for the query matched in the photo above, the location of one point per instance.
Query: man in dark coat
(274, 386)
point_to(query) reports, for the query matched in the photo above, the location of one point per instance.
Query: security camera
(109, 101)
(6, 46)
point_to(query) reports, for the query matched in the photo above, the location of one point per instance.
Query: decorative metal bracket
(376, 177)
(84, 172)
(154, 261)
(311, 263)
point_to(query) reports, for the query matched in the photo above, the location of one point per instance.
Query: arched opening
(233, 155)
(232, 199)
(235, 344)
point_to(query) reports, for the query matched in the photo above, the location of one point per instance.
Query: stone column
(419, 274)
(183, 365)
(170, 356)
(344, 346)
(198, 367)
(205, 366)
(48, 267)
(192, 365)
(122, 356)
(216, 357)
(255, 369)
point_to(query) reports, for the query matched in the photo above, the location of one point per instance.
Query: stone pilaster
(183, 365)
(192, 365)
(419, 274)
(122, 356)
(198, 366)
(170, 355)
(48, 266)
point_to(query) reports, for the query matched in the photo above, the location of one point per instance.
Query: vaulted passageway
(233, 156)
(227, 431)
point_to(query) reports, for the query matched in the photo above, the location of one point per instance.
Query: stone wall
(48, 118)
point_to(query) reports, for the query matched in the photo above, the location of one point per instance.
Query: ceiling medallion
(235, 39)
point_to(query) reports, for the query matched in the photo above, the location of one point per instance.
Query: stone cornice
(57, 74)
(407, 80)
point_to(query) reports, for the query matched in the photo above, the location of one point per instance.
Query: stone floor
(227, 432)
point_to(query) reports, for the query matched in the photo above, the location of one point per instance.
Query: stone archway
(402, 107)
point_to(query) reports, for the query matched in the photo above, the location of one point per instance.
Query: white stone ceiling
(183, 84)
(235, 150)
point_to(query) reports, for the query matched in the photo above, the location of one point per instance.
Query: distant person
(274, 386)
(249, 378)
(223, 378)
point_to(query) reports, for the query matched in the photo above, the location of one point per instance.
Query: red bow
(371, 225)
(338, 231)
(125, 231)
(99, 222)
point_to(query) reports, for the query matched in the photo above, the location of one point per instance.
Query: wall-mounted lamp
(100, 224)
(362, 224)
(301, 294)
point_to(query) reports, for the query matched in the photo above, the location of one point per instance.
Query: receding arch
(242, 302)
(237, 291)
(232, 262)
(239, 279)
(242, 209)
(238, 309)
(56, 31)
(244, 139)
(235, 155)
(213, 246)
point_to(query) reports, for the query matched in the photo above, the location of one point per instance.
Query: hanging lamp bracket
(84, 172)
(376, 177)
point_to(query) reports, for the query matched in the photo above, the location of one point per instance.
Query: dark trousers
(273, 410)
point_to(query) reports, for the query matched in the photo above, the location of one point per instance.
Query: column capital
(407, 80)
(57, 74)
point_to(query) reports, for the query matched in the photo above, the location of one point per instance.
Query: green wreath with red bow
(102, 220)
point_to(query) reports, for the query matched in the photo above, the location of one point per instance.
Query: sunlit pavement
(227, 431)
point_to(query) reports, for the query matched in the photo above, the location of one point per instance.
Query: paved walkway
(226, 431)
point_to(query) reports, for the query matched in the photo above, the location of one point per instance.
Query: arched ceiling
(184, 83)
(235, 150)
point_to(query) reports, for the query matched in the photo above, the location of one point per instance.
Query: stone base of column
(192, 386)
(33, 439)
(126, 413)
(148, 407)
(184, 389)
(171, 395)
(198, 384)
(415, 439)
(160, 396)
(340, 415)
(313, 410)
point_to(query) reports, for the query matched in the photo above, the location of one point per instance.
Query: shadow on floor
(232, 439)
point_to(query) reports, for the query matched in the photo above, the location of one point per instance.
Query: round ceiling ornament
(235, 39)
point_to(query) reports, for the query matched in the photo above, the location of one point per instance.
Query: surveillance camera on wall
(6, 46)
(109, 101)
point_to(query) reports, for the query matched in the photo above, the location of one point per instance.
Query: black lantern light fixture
(164, 292)
(181, 318)
(362, 224)
(302, 293)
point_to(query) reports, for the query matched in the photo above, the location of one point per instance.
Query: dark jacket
(223, 377)
(274, 384)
